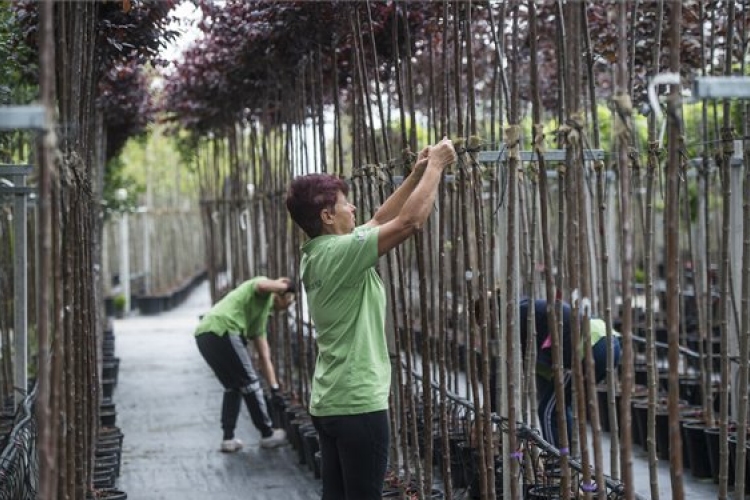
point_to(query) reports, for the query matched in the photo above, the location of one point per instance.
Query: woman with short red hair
(346, 299)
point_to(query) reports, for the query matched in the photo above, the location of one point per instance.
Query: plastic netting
(19, 465)
(538, 460)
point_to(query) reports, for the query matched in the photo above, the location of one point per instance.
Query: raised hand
(421, 163)
(442, 154)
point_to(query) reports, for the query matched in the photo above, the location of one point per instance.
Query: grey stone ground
(168, 406)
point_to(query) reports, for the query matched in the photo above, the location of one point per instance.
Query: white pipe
(660, 79)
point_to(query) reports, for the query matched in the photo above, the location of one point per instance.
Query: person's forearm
(279, 285)
(419, 204)
(266, 366)
(395, 202)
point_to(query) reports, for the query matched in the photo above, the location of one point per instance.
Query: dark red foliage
(602, 21)
(125, 99)
(254, 54)
(251, 55)
(128, 36)
(137, 34)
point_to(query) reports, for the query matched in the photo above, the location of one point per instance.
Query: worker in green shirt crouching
(222, 337)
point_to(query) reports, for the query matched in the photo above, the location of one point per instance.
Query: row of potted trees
(108, 448)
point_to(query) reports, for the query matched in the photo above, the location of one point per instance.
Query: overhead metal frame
(32, 118)
(550, 155)
(22, 117)
(721, 87)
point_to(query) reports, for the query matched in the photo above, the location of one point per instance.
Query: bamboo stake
(554, 300)
(444, 87)
(672, 253)
(489, 435)
(534, 174)
(499, 43)
(531, 393)
(428, 433)
(361, 76)
(442, 351)
(512, 455)
(404, 338)
(425, 482)
(622, 118)
(475, 172)
(457, 69)
(589, 374)
(703, 293)
(381, 114)
(456, 282)
(744, 369)
(410, 80)
(470, 80)
(338, 151)
(321, 114)
(410, 397)
(465, 188)
(652, 375)
(46, 407)
(58, 402)
(399, 394)
(744, 320)
(555, 317)
(727, 137)
(549, 278)
(570, 136)
(592, 131)
(579, 318)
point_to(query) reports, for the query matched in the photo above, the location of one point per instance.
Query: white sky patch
(187, 16)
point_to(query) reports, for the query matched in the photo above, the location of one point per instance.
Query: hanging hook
(244, 218)
(660, 79)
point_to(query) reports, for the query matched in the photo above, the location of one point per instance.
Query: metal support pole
(125, 259)
(20, 289)
(147, 248)
(247, 218)
(122, 195)
(735, 269)
(228, 248)
(148, 222)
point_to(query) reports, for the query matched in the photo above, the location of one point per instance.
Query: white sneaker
(231, 445)
(278, 438)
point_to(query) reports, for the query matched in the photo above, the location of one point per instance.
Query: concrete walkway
(168, 404)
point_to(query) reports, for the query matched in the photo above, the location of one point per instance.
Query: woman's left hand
(421, 163)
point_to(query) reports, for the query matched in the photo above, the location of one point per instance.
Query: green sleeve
(355, 253)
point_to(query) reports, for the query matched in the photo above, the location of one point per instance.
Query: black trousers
(228, 358)
(354, 451)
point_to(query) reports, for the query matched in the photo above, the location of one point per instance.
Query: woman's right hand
(442, 154)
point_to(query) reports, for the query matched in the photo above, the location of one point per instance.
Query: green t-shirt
(243, 310)
(597, 331)
(346, 299)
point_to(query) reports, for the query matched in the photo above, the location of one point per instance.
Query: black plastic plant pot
(551, 492)
(108, 494)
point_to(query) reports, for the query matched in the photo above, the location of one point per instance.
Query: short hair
(308, 195)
